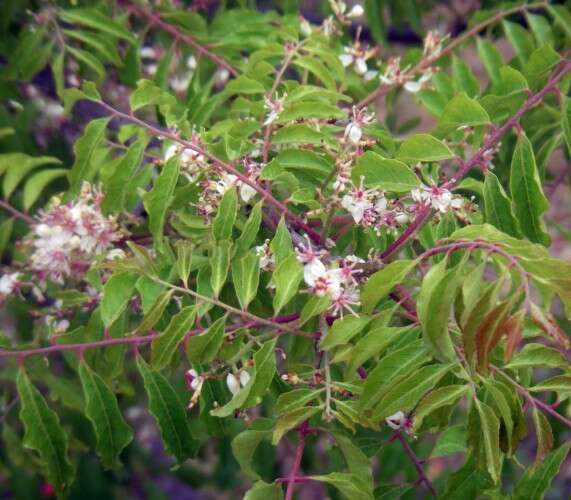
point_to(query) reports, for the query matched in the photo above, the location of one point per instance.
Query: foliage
(237, 245)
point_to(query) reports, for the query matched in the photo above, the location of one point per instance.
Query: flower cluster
(191, 162)
(214, 187)
(440, 198)
(354, 129)
(68, 237)
(336, 281)
(370, 208)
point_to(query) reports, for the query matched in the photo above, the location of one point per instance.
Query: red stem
(110, 341)
(16, 213)
(424, 215)
(155, 19)
(416, 462)
(293, 475)
(297, 220)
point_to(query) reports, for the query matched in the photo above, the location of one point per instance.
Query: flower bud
(232, 383)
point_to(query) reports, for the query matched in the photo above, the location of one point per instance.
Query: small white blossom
(275, 107)
(267, 260)
(244, 378)
(9, 283)
(356, 11)
(232, 383)
(396, 421)
(440, 199)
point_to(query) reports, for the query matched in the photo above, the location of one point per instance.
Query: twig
(416, 462)
(16, 213)
(424, 214)
(295, 219)
(425, 63)
(293, 475)
(155, 19)
(131, 340)
(533, 401)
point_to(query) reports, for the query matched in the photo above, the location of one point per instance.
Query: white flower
(396, 421)
(346, 60)
(360, 66)
(179, 83)
(304, 26)
(414, 86)
(8, 283)
(354, 133)
(313, 271)
(193, 380)
(345, 298)
(440, 198)
(244, 378)
(356, 11)
(355, 206)
(148, 53)
(370, 75)
(267, 260)
(221, 77)
(232, 383)
(61, 326)
(191, 62)
(275, 107)
(247, 192)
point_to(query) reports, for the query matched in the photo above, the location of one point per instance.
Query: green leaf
(159, 198)
(357, 461)
(36, 184)
(561, 17)
(117, 186)
(305, 161)
(89, 60)
(374, 342)
(98, 21)
(298, 133)
(383, 281)
(463, 77)
(424, 147)
(397, 363)
(84, 149)
(155, 312)
(443, 396)
(183, 260)
(287, 278)
(385, 174)
(490, 439)
(226, 216)
(541, 29)
(17, 166)
(265, 364)
(538, 355)
(295, 399)
(307, 110)
(343, 330)
(244, 446)
(374, 10)
(165, 345)
(250, 230)
(203, 348)
(264, 491)
(348, 484)
(281, 245)
(467, 482)
(559, 383)
(318, 69)
(437, 295)
(291, 420)
(314, 306)
(44, 434)
(246, 277)
(529, 202)
(244, 85)
(544, 435)
(520, 39)
(405, 394)
(101, 408)
(168, 410)
(498, 206)
(116, 295)
(219, 265)
(461, 111)
(451, 441)
(491, 57)
(98, 43)
(536, 481)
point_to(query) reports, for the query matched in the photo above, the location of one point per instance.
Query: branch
(294, 218)
(155, 19)
(23, 353)
(16, 213)
(534, 401)
(423, 478)
(293, 475)
(424, 215)
(425, 63)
